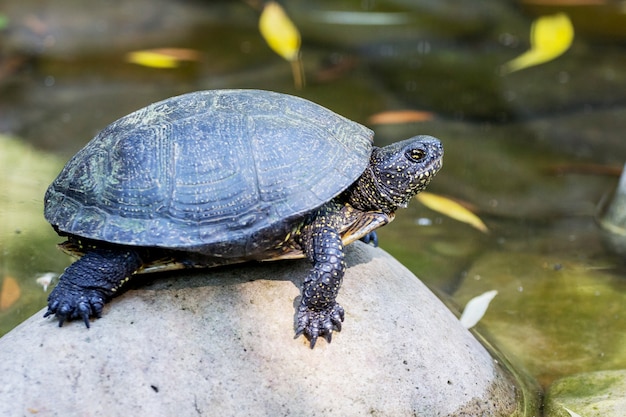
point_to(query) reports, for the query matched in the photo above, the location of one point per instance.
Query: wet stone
(593, 394)
(612, 218)
(220, 342)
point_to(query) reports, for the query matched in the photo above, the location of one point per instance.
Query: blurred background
(534, 145)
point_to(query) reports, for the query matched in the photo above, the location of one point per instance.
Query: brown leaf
(9, 293)
(400, 116)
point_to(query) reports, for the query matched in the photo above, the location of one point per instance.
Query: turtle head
(396, 173)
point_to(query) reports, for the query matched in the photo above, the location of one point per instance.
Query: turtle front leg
(318, 313)
(90, 282)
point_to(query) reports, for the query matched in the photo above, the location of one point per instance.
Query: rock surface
(220, 342)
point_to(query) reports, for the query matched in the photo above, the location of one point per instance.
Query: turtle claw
(84, 311)
(313, 324)
(67, 305)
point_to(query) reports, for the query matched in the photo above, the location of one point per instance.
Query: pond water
(531, 152)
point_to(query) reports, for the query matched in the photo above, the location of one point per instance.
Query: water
(522, 149)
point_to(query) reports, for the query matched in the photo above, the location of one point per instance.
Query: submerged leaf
(476, 308)
(279, 31)
(550, 37)
(451, 209)
(9, 293)
(571, 413)
(46, 279)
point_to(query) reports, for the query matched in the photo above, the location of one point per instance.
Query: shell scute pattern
(137, 182)
(207, 168)
(214, 178)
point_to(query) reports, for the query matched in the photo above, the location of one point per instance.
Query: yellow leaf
(550, 37)
(9, 293)
(162, 57)
(152, 59)
(451, 209)
(279, 31)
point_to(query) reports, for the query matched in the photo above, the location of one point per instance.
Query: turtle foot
(68, 302)
(315, 323)
(371, 239)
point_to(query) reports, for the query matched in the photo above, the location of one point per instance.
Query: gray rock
(612, 218)
(220, 342)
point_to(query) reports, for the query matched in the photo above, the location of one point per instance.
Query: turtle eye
(416, 155)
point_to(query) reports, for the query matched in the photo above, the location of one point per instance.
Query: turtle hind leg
(90, 282)
(318, 313)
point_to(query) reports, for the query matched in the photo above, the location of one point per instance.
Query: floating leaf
(571, 413)
(279, 31)
(151, 59)
(9, 293)
(162, 57)
(475, 309)
(283, 37)
(399, 116)
(46, 279)
(550, 37)
(451, 209)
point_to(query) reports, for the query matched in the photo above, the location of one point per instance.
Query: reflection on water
(26, 239)
(523, 150)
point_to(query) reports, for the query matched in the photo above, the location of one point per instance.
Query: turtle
(217, 177)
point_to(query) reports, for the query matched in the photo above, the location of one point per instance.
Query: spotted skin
(395, 174)
(318, 313)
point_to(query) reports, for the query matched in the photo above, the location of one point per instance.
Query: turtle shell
(207, 168)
